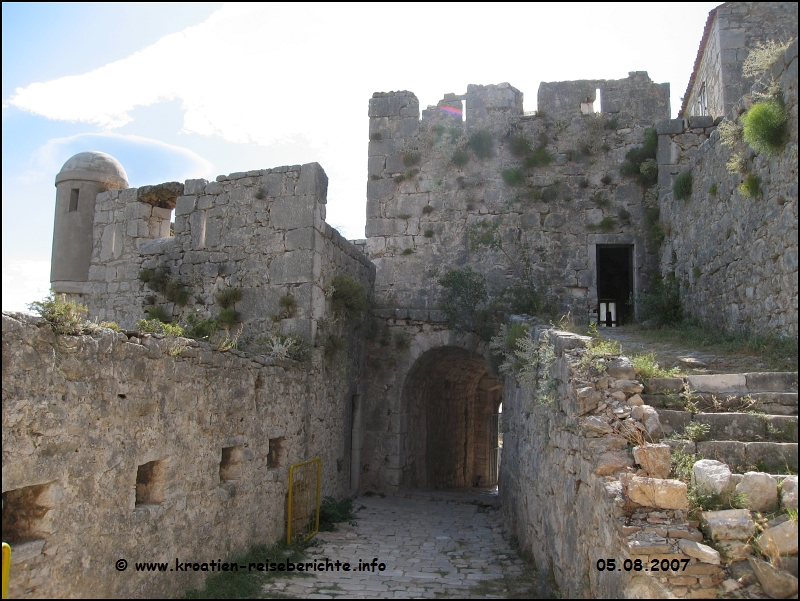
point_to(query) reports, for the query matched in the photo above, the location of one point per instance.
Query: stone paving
(434, 544)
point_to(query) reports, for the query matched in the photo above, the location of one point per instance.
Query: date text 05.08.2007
(637, 565)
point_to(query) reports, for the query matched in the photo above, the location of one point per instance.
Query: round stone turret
(78, 183)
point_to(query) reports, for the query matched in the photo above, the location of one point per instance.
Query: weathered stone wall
(571, 494)
(421, 207)
(737, 27)
(637, 95)
(81, 415)
(734, 256)
(262, 231)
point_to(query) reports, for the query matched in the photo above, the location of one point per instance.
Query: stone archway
(449, 396)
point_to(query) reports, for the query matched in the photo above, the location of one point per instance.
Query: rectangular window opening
(150, 483)
(276, 452)
(24, 510)
(73, 199)
(230, 466)
(597, 106)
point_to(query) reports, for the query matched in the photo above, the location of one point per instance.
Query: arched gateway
(450, 397)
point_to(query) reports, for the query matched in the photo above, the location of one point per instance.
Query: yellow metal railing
(6, 568)
(305, 481)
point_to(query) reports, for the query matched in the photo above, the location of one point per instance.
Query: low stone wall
(571, 494)
(735, 257)
(151, 450)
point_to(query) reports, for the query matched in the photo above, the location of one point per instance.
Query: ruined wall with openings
(262, 231)
(150, 449)
(430, 189)
(735, 29)
(572, 494)
(734, 256)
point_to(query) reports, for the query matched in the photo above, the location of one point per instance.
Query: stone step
(772, 403)
(743, 427)
(725, 384)
(741, 457)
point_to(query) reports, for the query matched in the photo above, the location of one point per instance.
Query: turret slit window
(73, 200)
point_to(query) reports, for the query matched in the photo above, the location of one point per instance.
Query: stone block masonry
(735, 257)
(262, 231)
(437, 183)
(150, 450)
(571, 493)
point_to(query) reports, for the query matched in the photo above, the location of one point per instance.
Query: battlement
(636, 95)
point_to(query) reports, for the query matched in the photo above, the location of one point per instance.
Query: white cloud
(24, 281)
(262, 73)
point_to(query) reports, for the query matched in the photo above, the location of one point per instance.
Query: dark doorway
(615, 280)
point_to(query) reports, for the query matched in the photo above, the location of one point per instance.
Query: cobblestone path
(434, 545)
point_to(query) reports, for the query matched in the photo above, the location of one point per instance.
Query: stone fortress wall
(422, 208)
(735, 257)
(138, 449)
(262, 231)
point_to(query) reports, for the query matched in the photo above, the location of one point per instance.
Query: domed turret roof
(93, 165)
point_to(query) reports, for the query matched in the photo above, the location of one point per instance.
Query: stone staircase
(750, 419)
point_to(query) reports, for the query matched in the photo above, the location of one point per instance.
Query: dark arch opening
(450, 396)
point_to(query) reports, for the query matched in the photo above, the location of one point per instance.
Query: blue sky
(175, 91)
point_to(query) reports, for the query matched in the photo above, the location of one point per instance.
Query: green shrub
(429, 233)
(399, 178)
(682, 186)
(464, 293)
(696, 273)
(606, 179)
(411, 158)
(663, 303)
(583, 183)
(635, 159)
(407, 251)
(65, 317)
(228, 317)
(154, 326)
(332, 512)
(427, 210)
(612, 123)
(200, 329)
(158, 313)
(481, 144)
(519, 146)
(375, 136)
(288, 306)
(647, 367)
(608, 224)
(171, 289)
(657, 233)
(261, 193)
(713, 189)
(551, 192)
(405, 216)
(765, 127)
(334, 345)
(460, 158)
(349, 299)
(751, 186)
(513, 177)
(538, 158)
(624, 215)
(228, 297)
